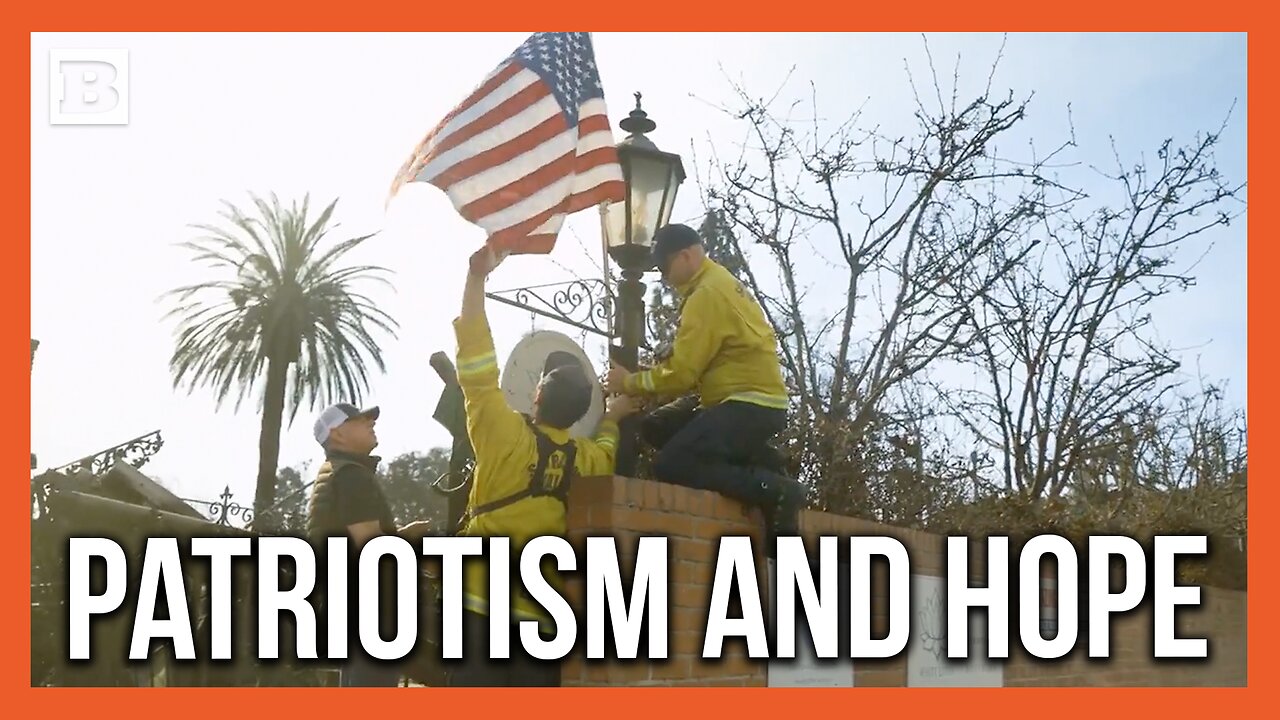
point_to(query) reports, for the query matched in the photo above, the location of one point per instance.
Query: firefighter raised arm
(525, 467)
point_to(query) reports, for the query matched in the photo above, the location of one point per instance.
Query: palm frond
(278, 294)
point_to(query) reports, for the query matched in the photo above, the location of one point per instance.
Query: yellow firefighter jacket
(724, 347)
(506, 450)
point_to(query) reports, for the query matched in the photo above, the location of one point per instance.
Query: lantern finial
(638, 123)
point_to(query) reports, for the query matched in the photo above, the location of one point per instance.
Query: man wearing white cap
(347, 499)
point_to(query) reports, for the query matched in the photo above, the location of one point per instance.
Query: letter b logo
(89, 87)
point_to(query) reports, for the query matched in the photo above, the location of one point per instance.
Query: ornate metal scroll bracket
(654, 328)
(583, 304)
(223, 509)
(136, 452)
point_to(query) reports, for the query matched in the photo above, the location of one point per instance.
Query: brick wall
(694, 522)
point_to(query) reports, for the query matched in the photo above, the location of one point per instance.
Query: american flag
(530, 146)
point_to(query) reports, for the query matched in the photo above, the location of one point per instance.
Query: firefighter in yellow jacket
(523, 471)
(726, 352)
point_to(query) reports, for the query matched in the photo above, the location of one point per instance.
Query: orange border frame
(76, 15)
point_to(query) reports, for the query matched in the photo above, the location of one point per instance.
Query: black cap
(566, 395)
(560, 358)
(671, 239)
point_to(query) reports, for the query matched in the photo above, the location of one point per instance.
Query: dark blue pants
(722, 448)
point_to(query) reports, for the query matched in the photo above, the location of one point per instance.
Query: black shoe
(782, 510)
(779, 497)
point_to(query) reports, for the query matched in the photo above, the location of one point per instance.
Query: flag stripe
(595, 149)
(508, 108)
(558, 176)
(509, 80)
(493, 82)
(605, 158)
(596, 167)
(596, 195)
(551, 226)
(586, 199)
(530, 120)
(607, 190)
(594, 106)
(555, 174)
(547, 199)
(593, 125)
(527, 148)
(502, 170)
(531, 169)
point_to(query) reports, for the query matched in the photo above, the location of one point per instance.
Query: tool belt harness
(550, 476)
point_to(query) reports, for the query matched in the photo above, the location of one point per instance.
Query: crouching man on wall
(724, 361)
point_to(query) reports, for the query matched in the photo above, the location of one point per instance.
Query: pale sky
(215, 117)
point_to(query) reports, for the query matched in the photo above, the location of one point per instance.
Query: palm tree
(284, 309)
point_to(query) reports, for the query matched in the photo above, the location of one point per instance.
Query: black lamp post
(652, 179)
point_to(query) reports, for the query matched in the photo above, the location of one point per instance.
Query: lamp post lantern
(652, 178)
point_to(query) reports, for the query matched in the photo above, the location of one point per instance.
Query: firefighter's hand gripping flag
(530, 146)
